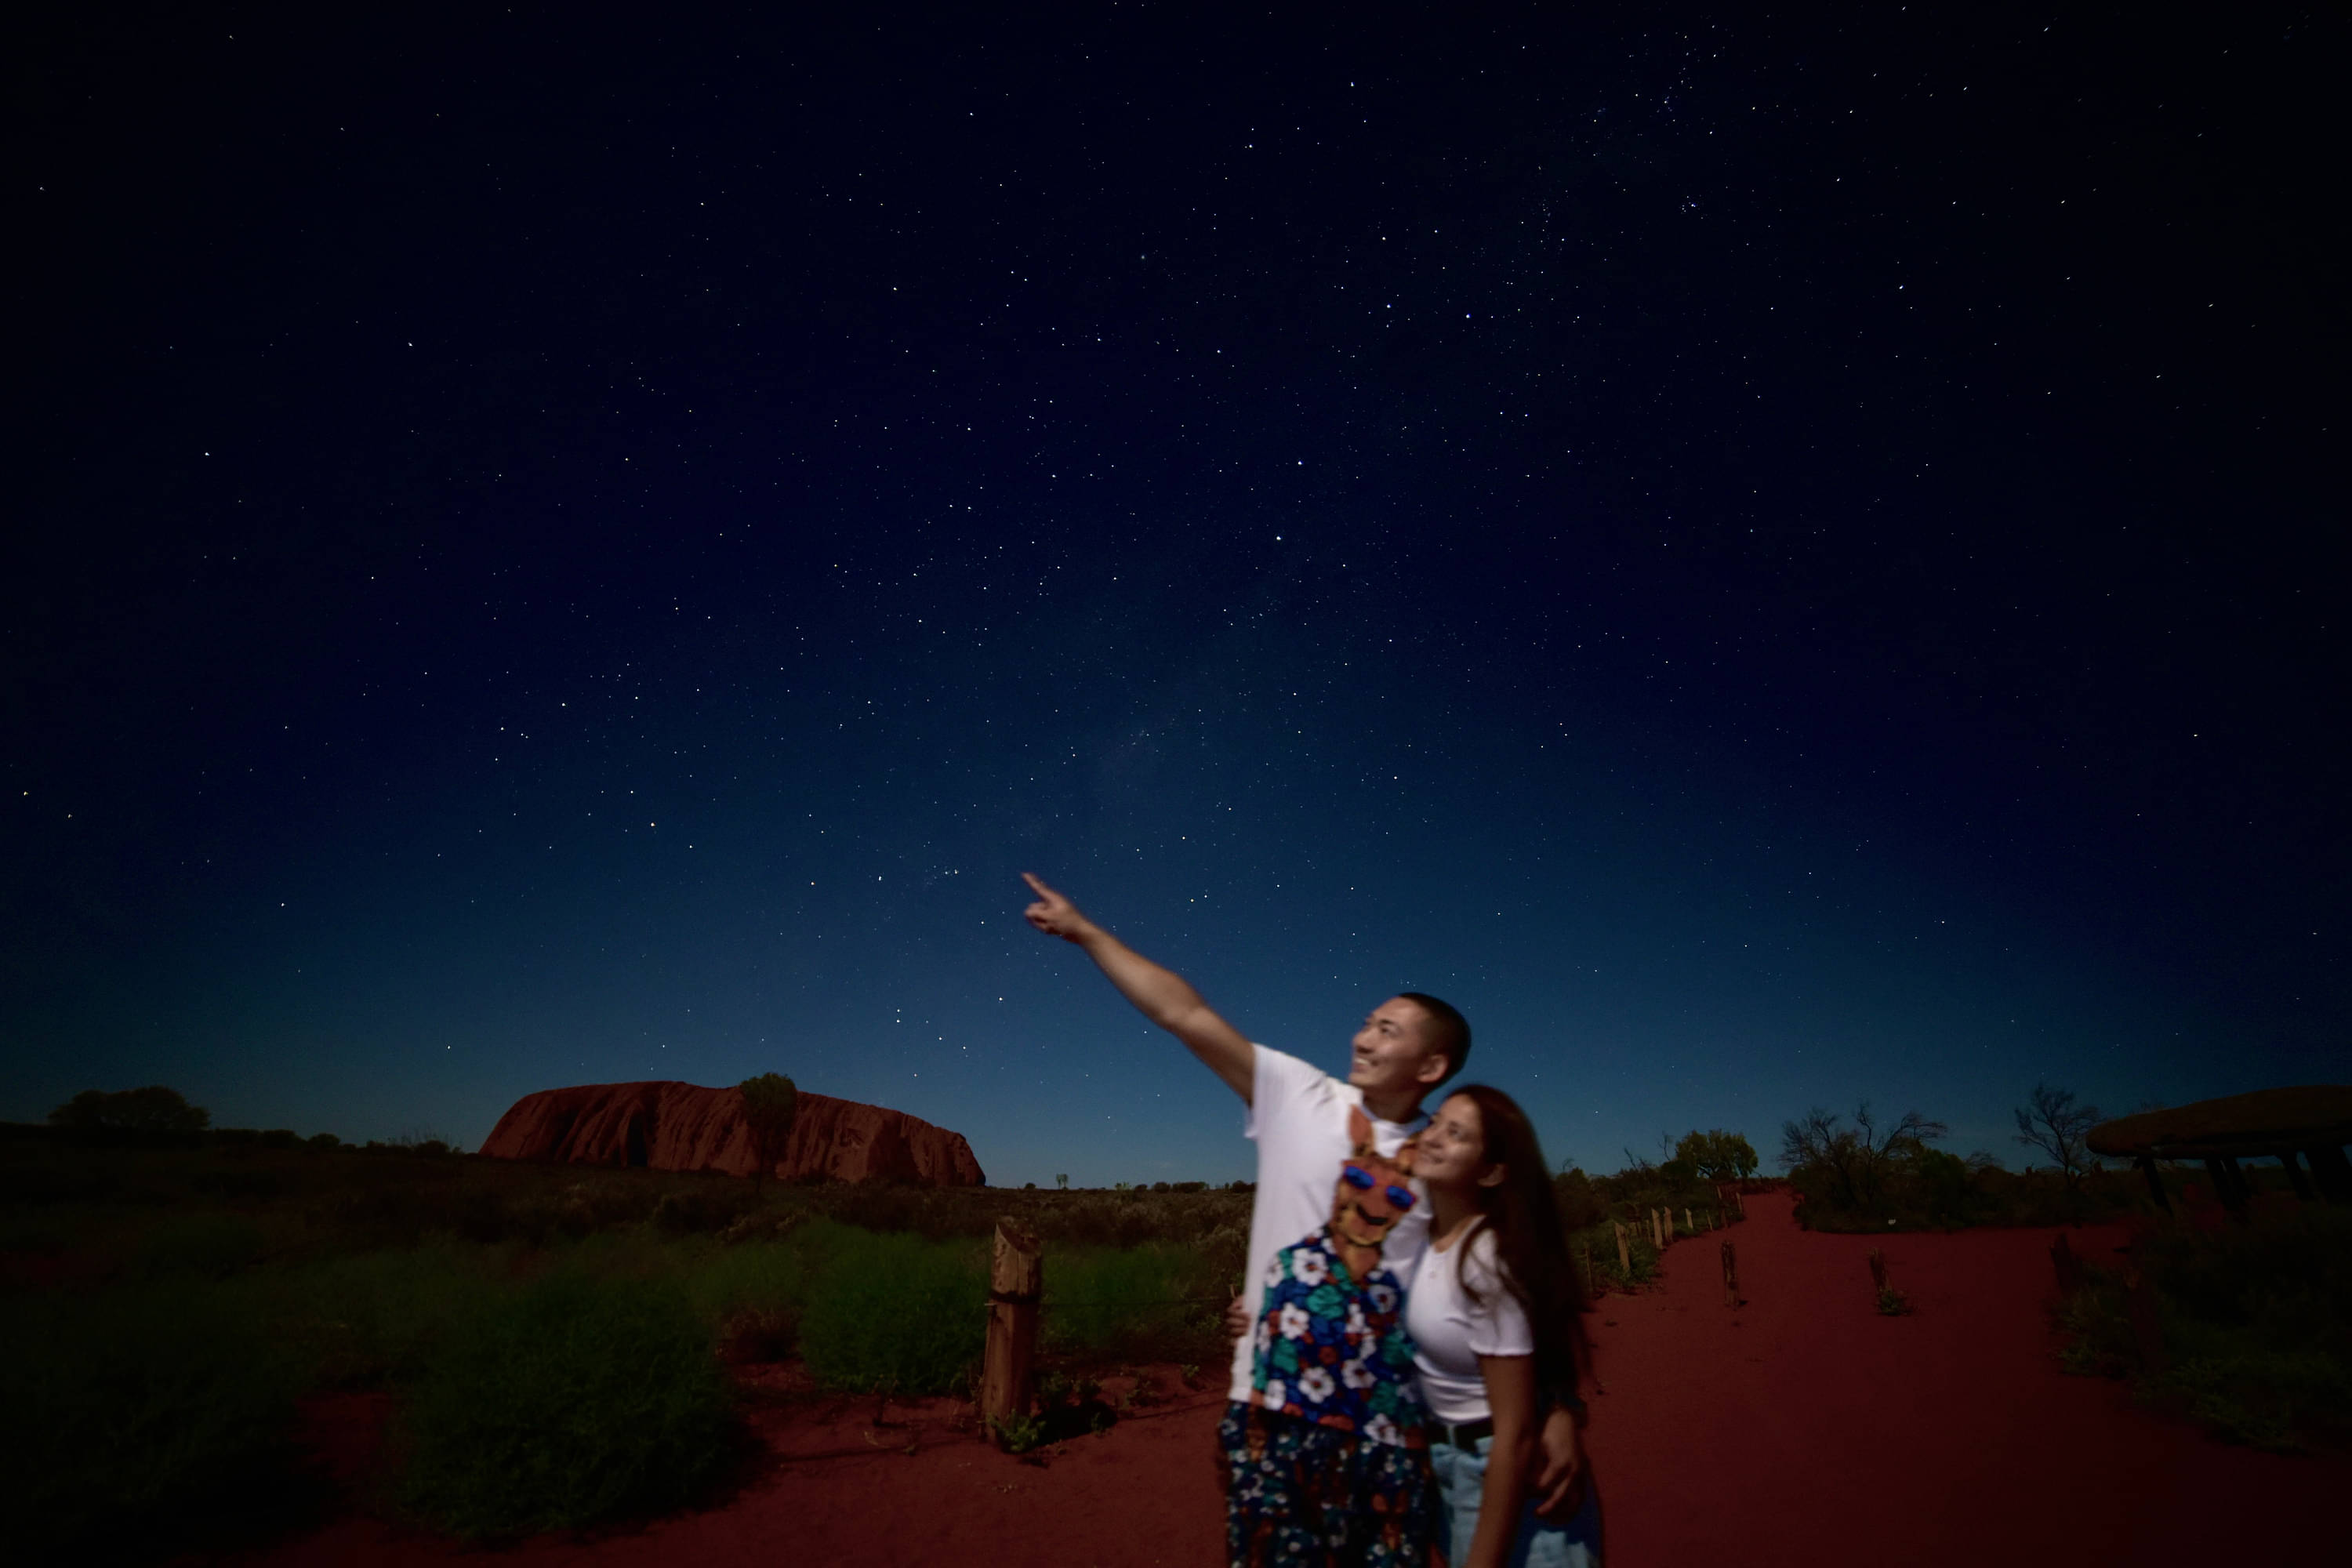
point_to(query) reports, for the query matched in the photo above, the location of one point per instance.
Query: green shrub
(894, 1312)
(1154, 1302)
(138, 1420)
(574, 1400)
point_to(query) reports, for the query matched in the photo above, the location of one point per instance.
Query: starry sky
(1772, 559)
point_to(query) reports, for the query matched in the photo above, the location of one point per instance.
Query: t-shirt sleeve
(1280, 1085)
(1498, 1325)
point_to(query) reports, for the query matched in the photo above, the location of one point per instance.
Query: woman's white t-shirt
(1450, 1332)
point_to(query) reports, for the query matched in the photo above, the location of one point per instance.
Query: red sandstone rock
(685, 1127)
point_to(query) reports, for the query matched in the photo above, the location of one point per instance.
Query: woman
(1494, 1315)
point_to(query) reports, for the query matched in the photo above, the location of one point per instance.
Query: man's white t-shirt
(1450, 1332)
(1298, 1117)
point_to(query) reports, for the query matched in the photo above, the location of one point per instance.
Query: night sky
(1771, 561)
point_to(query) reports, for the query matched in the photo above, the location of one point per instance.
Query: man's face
(1391, 1052)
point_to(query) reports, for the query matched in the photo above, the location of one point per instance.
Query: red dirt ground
(1801, 1427)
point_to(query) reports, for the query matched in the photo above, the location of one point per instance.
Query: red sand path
(1800, 1428)
(1817, 1431)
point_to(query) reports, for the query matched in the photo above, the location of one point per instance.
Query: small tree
(770, 1103)
(2057, 1126)
(1717, 1155)
(1857, 1159)
(151, 1110)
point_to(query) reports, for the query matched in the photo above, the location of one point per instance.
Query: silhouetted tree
(771, 1103)
(1857, 1159)
(2053, 1123)
(1717, 1155)
(151, 1110)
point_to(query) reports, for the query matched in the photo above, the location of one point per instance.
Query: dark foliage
(139, 1423)
(1717, 1155)
(1851, 1166)
(2253, 1320)
(574, 1402)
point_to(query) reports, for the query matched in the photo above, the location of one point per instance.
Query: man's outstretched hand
(1053, 914)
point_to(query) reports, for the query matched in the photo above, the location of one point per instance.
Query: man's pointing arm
(1160, 995)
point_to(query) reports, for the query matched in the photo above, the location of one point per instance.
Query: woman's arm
(1511, 1395)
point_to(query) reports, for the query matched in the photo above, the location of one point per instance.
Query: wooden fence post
(1689, 1223)
(1730, 1276)
(1625, 1255)
(1016, 1281)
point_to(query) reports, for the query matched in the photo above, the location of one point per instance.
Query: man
(1328, 1484)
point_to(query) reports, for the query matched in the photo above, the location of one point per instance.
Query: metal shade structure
(2289, 1125)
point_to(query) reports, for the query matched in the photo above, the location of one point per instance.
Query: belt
(1466, 1435)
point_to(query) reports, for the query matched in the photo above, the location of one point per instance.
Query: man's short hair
(1449, 1031)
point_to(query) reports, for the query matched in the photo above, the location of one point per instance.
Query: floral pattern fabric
(1334, 1351)
(1299, 1494)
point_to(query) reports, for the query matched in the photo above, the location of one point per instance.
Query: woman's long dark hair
(1529, 1242)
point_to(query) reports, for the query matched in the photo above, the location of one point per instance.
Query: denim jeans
(1461, 1486)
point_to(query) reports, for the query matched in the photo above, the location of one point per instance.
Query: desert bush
(2255, 1324)
(138, 1421)
(573, 1401)
(894, 1312)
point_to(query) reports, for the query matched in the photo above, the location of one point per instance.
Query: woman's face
(1451, 1150)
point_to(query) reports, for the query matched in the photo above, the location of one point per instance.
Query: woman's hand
(1558, 1482)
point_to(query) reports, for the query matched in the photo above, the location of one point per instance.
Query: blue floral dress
(1334, 1351)
(1328, 1466)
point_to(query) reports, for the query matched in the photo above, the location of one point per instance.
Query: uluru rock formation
(686, 1127)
